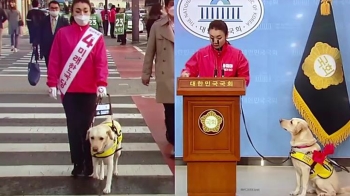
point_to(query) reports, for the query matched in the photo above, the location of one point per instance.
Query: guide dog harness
(112, 149)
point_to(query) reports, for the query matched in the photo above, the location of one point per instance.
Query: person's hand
(53, 92)
(145, 80)
(101, 91)
(185, 74)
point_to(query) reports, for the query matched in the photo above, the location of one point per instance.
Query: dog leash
(285, 160)
(252, 144)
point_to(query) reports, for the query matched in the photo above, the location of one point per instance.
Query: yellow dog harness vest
(324, 170)
(113, 148)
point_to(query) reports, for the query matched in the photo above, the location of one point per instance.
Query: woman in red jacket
(78, 69)
(219, 59)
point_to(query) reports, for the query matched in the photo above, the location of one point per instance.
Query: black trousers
(123, 37)
(112, 29)
(36, 52)
(46, 57)
(169, 111)
(80, 109)
(105, 24)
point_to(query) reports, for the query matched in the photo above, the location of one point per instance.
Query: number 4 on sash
(88, 40)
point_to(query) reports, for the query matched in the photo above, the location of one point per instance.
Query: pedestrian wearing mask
(219, 59)
(49, 27)
(78, 69)
(161, 46)
(15, 23)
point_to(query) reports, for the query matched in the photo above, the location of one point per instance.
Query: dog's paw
(107, 190)
(311, 191)
(94, 175)
(115, 172)
(101, 177)
(294, 193)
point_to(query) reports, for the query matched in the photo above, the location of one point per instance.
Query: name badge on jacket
(227, 67)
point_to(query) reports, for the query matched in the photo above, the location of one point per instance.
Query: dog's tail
(344, 190)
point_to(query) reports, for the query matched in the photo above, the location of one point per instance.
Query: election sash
(77, 58)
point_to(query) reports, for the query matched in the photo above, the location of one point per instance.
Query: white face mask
(82, 20)
(54, 13)
(171, 11)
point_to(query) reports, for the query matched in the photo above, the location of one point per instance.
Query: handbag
(33, 71)
(20, 23)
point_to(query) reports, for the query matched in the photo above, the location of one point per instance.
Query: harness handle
(98, 102)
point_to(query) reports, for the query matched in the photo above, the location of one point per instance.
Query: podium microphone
(216, 62)
(222, 68)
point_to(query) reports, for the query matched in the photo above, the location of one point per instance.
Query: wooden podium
(211, 133)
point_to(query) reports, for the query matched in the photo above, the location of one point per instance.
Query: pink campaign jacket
(94, 71)
(232, 60)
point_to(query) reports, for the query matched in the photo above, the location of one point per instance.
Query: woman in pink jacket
(219, 59)
(78, 70)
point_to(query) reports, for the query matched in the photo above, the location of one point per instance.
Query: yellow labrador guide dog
(319, 174)
(105, 140)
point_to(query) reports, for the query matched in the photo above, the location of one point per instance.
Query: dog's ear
(110, 134)
(88, 134)
(299, 127)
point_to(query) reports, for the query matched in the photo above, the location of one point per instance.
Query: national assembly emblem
(211, 122)
(241, 16)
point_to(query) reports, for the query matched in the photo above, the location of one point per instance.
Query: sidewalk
(129, 62)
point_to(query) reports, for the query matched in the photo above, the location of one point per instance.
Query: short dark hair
(166, 2)
(35, 3)
(54, 2)
(218, 25)
(155, 10)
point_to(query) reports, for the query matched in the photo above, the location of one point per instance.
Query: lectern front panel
(211, 124)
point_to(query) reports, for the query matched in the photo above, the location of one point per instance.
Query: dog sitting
(321, 177)
(105, 140)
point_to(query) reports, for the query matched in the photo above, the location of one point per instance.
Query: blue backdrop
(274, 51)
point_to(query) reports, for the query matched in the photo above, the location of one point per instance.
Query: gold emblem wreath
(204, 118)
(317, 81)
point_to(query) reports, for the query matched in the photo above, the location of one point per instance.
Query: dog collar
(304, 146)
(299, 147)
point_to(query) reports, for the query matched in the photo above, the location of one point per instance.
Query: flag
(319, 91)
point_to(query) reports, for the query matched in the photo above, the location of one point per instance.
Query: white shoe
(15, 50)
(12, 48)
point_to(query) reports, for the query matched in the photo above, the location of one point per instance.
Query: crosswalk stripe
(58, 116)
(19, 67)
(108, 195)
(53, 105)
(62, 129)
(64, 170)
(34, 147)
(64, 147)
(42, 75)
(45, 69)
